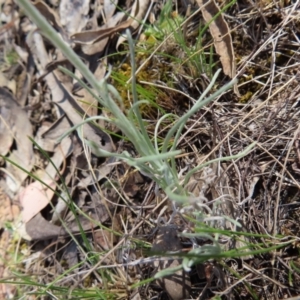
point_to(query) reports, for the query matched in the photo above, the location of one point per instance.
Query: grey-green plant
(155, 161)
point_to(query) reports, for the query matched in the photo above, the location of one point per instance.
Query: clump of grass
(156, 162)
(156, 158)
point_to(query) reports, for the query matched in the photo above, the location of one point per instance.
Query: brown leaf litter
(101, 214)
(177, 285)
(222, 37)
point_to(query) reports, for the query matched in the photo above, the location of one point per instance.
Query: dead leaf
(138, 12)
(38, 228)
(61, 152)
(99, 46)
(34, 198)
(221, 34)
(67, 103)
(93, 42)
(109, 7)
(49, 14)
(20, 129)
(178, 284)
(93, 36)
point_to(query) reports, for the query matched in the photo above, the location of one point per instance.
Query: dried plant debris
(221, 34)
(92, 37)
(74, 15)
(17, 129)
(178, 284)
(38, 228)
(90, 224)
(49, 14)
(138, 12)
